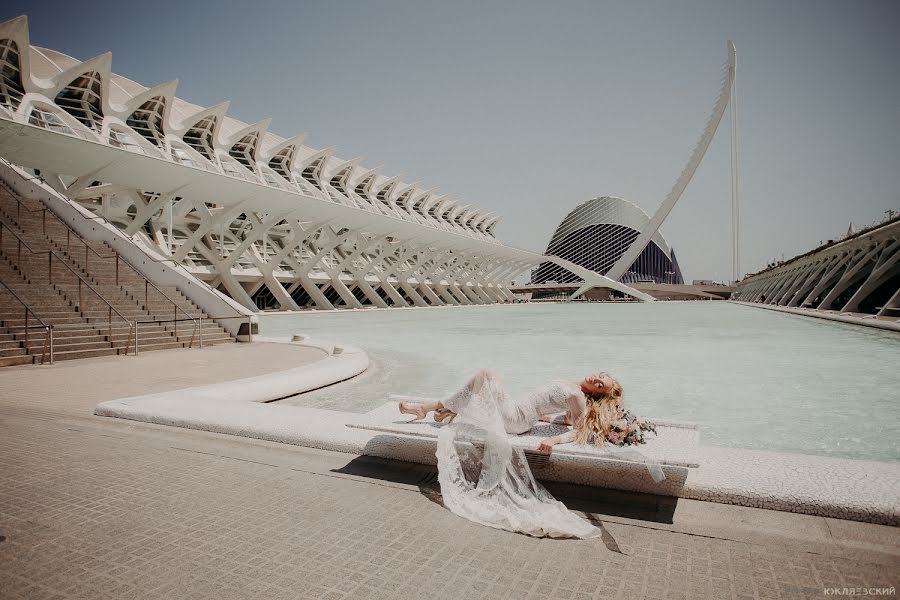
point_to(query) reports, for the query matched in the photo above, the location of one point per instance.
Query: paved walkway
(92, 507)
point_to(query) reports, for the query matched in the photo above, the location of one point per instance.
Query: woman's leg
(454, 403)
(420, 410)
(474, 386)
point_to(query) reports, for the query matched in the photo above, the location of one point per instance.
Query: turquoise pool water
(750, 378)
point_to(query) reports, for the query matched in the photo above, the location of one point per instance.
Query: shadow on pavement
(595, 503)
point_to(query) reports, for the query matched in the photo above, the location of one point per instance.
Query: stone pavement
(92, 507)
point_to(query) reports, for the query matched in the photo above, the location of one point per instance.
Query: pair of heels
(440, 415)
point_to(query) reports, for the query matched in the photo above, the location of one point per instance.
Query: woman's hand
(546, 418)
(546, 445)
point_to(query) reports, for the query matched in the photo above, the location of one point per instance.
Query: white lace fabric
(485, 479)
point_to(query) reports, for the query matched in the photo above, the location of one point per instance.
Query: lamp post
(670, 277)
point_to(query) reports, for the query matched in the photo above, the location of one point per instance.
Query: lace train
(486, 480)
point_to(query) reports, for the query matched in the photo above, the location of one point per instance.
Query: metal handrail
(50, 254)
(147, 283)
(100, 219)
(69, 230)
(49, 328)
(199, 329)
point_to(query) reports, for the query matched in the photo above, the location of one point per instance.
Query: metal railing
(81, 283)
(48, 339)
(88, 251)
(198, 332)
(100, 219)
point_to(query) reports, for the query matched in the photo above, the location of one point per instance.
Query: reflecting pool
(751, 378)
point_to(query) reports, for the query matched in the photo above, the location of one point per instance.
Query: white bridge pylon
(634, 250)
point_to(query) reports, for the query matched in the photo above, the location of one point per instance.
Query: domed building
(597, 233)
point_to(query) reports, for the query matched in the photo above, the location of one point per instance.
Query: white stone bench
(674, 448)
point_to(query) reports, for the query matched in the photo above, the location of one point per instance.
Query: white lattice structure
(264, 218)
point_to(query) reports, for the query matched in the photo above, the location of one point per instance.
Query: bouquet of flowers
(630, 430)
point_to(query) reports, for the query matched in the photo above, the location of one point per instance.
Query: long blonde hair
(601, 414)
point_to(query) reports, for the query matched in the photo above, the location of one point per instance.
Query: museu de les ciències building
(265, 219)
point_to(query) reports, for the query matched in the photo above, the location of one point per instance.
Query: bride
(483, 478)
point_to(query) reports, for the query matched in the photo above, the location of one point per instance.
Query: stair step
(19, 322)
(84, 330)
(156, 337)
(65, 346)
(161, 346)
(75, 354)
(10, 361)
(63, 339)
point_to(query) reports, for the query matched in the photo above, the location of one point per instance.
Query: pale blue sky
(529, 108)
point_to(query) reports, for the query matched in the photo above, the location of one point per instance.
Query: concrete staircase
(88, 294)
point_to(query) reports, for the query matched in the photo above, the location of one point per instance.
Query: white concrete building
(263, 218)
(597, 232)
(860, 273)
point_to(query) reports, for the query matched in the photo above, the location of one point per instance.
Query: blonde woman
(485, 478)
(591, 407)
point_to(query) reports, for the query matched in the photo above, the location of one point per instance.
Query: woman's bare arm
(573, 416)
(547, 444)
(560, 419)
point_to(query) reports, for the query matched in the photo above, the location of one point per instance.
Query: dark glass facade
(598, 247)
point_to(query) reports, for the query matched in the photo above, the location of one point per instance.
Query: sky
(530, 108)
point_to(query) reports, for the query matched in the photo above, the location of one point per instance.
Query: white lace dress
(484, 479)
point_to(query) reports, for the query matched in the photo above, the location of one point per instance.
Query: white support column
(313, 291)
(784, 282)
(794, 281)
(267, 266)
(456, 287)
(343, 291)
(446, 294)
(887, 265)
(893, 303)
(225, 217)
(359, 274)
(237, 291)
(815, 273)
(146, 212)
(370, 292)
(258, 230)
(402, 278)
(385, 283)
(335, 277)
(788, 280)
(825, 280)
(765, 293)
(284, 299)
(850, 275)
(430, 272)
(419, 272)
(429, 295)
